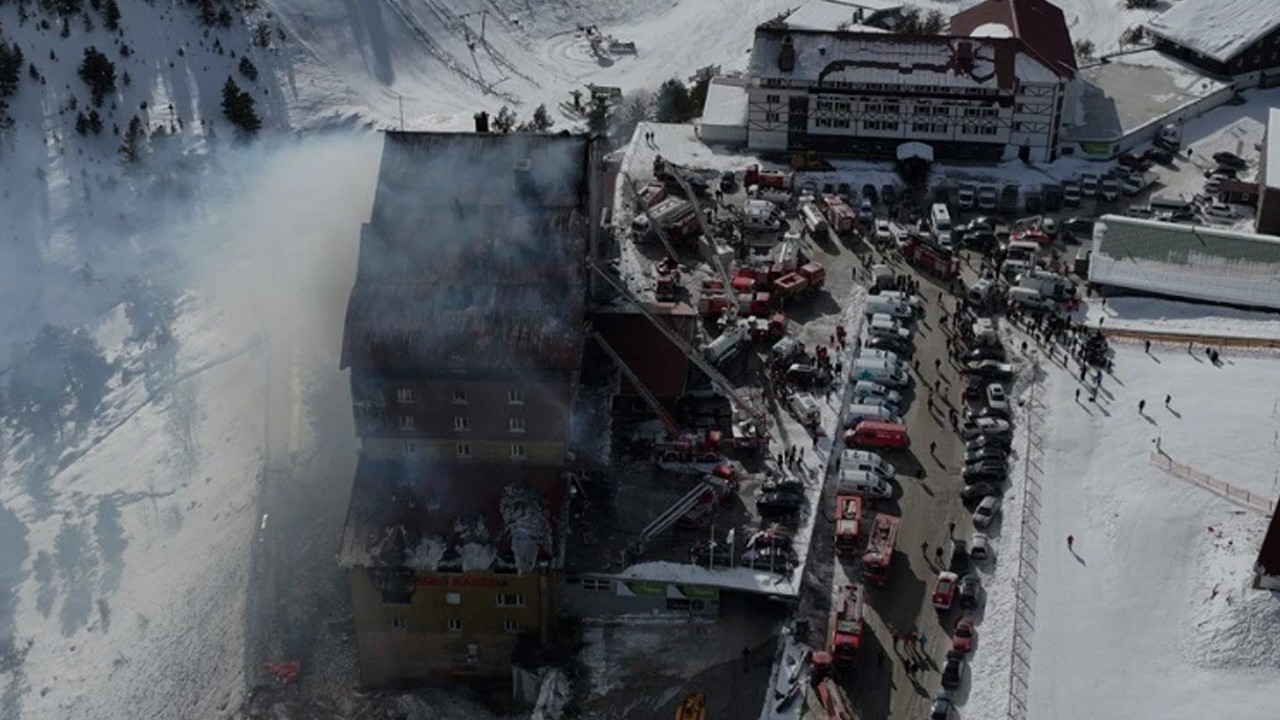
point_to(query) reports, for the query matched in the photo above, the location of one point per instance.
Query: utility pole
(401, 99)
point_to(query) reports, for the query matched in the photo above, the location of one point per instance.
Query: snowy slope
(1154, 605)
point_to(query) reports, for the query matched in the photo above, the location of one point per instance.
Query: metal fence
(1028, 554)
(1238, 495)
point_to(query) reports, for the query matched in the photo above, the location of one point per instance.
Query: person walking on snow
(933, 448)
(1142, 405)
(1168, 399)
(1071, 540)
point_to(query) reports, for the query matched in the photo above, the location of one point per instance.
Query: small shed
(724, 113)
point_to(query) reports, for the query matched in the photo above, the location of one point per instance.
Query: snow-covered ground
(1153, 607)
(1148, 314)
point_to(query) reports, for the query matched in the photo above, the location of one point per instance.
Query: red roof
(1269, 554)
(1040, 25)
(660, 365)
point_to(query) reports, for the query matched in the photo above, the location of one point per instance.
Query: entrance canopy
(915, 150)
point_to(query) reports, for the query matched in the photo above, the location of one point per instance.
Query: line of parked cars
(879, 373)
(987, 431)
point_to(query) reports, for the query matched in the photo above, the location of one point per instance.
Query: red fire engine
(845, 636)
(848, 523)
(934, 260)
(879, 555)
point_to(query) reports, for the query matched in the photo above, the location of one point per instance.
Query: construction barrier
(1028, 552)
(1237, 495)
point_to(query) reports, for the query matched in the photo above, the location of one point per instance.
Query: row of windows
(462, 423)
(454, 625)
(501, 599)
(404, 396)
(462, 450)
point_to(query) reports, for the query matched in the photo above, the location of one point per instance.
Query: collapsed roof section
(473, 257)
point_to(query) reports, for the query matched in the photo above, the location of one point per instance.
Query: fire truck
(848, 523)
(831, 697)
(842, 218)
(935, 260)
(767, 178)
(879, 555)
(845, 634)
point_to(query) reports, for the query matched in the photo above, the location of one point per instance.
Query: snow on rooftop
(1219, 29)
(1271, 169)
(726, 104)
(1195, 262)
(830, 16)
(992, 30)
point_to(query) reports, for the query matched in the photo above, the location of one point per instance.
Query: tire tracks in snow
(451, 62)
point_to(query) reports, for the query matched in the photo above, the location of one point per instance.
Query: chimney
(482, 122)
(787, 56)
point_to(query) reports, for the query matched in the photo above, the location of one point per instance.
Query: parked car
(951, 673)
(984, 426)
(1221, 171)
(1109, 189)
(990, 369)
(1089, 185)
(1159, 155)
(985, 352)
(987, 452)
(728, 181)
(988, 196)
(1070, 194)
(986, 511)
(980, 546)
(884, 231)
(962, 639)
(944, 590)
(975, 492)
(1230, 159)
(1000, 441)
(869, 193)
(1052, 197)
(958, 560)
(779, 504)
(997, 398)
(985, 471)
(845, 191)
(1133, 160)
(1221, 211)
(889, 195)
(889, 342)
(1140, 211)
(970, 589)
(967, 196)
(941, 708)
(1079, 227)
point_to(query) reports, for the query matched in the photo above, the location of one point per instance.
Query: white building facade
(863, 94)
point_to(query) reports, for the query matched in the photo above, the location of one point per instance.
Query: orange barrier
(1239, 496)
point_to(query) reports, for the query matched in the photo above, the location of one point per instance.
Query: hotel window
(517, 451)
(454, 625)
(460, 397)
(463, 450)
(515, 424)
(509, 600)
(773, 98)
(461, 423)
(398, 623)
(593, 584)
(453, 598)
(406, 422)
(473, 654)
(404, 396)
(511, 626)
(515, 397)
(410, 448)
(771, 117)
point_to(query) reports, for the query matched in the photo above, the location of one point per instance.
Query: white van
(908, 298)
(727, 345)
(1029, 298)
(981, 290)
(1027, 250)
(888, 306)
(882, 374)
(878, 354)
(805, 410)
(867, 389)
(864, 483)
(881, 325)
(878, 413)
(866, 461)
(940, 217)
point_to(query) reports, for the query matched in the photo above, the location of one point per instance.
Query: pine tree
(224, 17)
(673, 102)
(133, 147)
(98, 73)
(95, 122)
(82, 124)
(248, 69)
(111, 15)
(542, 121)
(208, 16)
(598, 113)
(505, 121)
(238, 108)
(11, 61)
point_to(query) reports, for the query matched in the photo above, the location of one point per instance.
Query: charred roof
(451, 516)
(473, 257)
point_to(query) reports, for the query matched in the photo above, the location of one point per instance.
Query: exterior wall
(1269, 209)
(723, 134)
(525, 420)
(1262, 581)
(960, 124)
(601, 596)
(1263, 54)
(404, 643)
